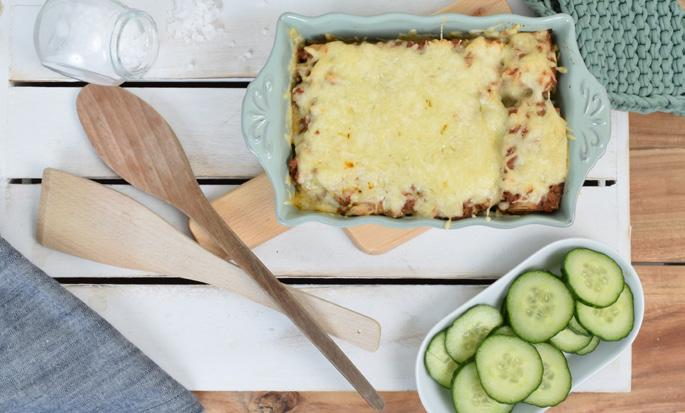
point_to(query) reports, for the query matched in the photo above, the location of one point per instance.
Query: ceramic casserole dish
(266, 121)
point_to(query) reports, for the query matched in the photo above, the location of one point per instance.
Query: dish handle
(260, 100)
(595, 132)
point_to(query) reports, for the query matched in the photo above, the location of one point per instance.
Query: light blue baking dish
(265, 113)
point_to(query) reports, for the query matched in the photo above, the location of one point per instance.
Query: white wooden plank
(621, 137)
(218, 341)
(44, 131)
(618, 147)
(240, 52)
(18, 226)
(4, 85)
(316, 250)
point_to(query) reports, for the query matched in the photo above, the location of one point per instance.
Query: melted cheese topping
(537, 134)
(399, 128)
(529, 67)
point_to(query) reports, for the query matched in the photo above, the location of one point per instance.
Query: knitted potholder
(636, 48)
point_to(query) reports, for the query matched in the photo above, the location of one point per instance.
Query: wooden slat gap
(126, 281)
(301, 281)
(240, 181)
(240, 83)
(314, 281)
(119, 181)
(658, 264)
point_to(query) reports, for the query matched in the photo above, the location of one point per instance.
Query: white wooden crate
(211, 340)
(190, 330)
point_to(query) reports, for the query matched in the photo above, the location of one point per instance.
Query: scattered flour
(195, 21)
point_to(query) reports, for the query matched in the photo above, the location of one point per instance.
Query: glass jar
(97, 41)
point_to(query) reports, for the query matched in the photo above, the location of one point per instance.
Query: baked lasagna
(440, 128)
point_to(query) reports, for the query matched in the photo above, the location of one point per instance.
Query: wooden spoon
(83, 218)
(138, 144)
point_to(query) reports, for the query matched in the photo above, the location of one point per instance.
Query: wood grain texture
(657, 170)
(249, 210)
(658, 369)
(138, 144)
(656, 130)
(83, 218)
(303, 402)
(377, 239)
(477, 7)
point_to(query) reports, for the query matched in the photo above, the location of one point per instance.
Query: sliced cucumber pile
(539, 306)
(509, 368)
(577, 328)
(468, 394)
(594, 342)
(594, 278)
(569, 341)
(439, 364)
(556, 378)
(504, 331)
(469, 330)
(515, 354)
(610, 323)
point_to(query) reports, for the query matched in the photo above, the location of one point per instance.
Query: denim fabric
(57, 355)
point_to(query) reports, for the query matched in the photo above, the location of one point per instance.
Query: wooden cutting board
(250, 211)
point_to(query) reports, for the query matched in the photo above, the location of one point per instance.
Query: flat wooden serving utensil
(83, 218)
(138, 144)
(255, 198)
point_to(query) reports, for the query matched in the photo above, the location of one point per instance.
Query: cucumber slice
(594, 342)
(439, 364)
(556, 378)
(594, 278)
(539, 306)
(509, 368)
(610, 323)
(505, 315)
(504, 331)
(569, 341)
(577, 328)
(469, 329)
(468, 394)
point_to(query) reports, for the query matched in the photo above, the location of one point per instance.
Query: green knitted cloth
(635, 48)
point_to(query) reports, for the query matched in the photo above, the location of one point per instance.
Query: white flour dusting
(195, 20)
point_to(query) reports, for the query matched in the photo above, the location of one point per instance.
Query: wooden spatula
(256, 198)
(83, 218)
(137, 143)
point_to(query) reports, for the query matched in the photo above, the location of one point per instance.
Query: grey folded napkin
(57, 355)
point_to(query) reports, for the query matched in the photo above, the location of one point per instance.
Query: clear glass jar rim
(150, 29)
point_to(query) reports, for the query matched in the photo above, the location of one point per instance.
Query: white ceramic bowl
(437, 399)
